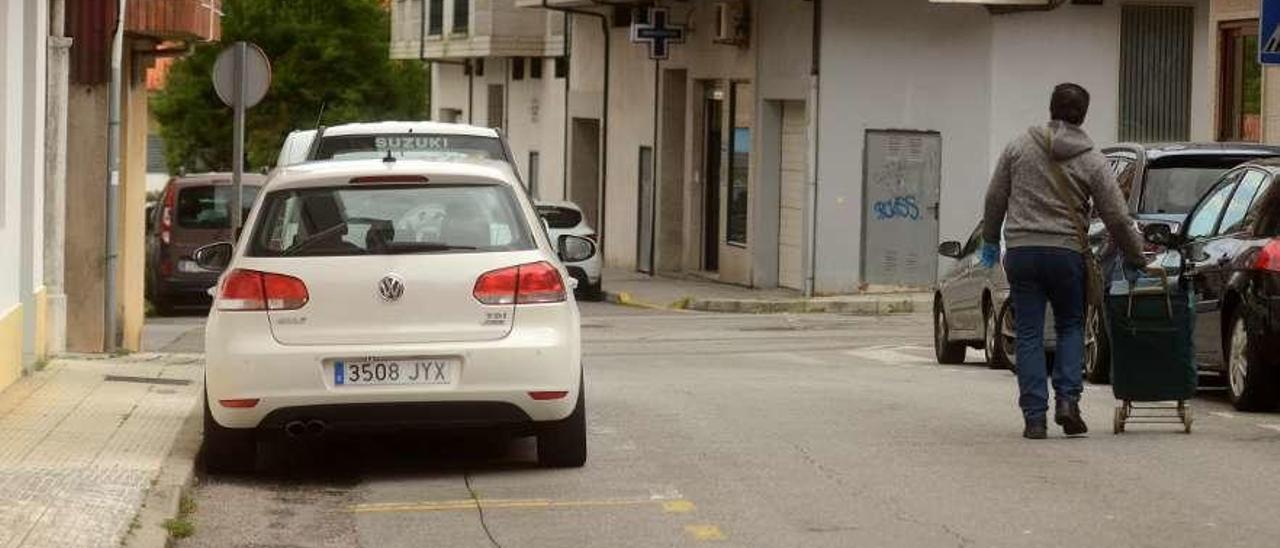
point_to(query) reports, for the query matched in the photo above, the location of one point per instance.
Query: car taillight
(1269, 258)
(533, 283)
(252, 290)
(166, 215)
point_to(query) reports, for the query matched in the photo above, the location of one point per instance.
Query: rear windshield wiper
(312, 239)
(420, 247)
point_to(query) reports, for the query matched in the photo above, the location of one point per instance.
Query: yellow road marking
(678, 506)
(704, 532)
(515, 504)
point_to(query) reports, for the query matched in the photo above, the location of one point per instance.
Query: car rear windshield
(1174, 184)
(210, 206)
(388, 220)
(560, 217)
(421, 146)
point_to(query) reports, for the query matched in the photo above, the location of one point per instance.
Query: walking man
(1040, 194)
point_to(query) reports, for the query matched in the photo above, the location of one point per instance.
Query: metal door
(902, 171)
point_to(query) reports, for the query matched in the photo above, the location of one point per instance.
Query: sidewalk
(82, 441)
(691, 293)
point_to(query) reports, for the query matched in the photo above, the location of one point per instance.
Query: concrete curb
(175, 478)
(861, 305)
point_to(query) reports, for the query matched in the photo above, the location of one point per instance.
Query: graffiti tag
(899, 207)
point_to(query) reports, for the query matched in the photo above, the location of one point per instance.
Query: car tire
(1008, 345)
(592, 292)
(1250, 385)
(227, 450)
(947, 352)
(1097, 368)
(992, 337)
(563, 444)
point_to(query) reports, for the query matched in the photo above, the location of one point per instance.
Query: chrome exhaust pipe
(316, 427)
(295, 428)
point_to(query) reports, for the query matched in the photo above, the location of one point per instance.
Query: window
(562, 67)
(739, 163)
(1205, 218)
(1174, 186)
(1233, 219)
(534, 165)
(209, 207)
(461, 16)
(975, 240)
(1155, 72)
(390, 220)
(496, 112)
(1239, 83)
(517, 68)
(478, 66)
(435, 18)
(535, 67)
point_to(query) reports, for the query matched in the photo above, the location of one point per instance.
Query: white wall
(897, 64)
(12, 40)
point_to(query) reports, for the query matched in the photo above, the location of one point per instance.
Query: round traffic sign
(257, 74)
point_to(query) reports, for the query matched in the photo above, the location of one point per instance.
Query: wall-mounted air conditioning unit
(730, 23)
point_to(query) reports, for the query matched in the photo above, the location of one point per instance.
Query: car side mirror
(215, 256)
(575, 249)
(1161, 234)
(950, 249)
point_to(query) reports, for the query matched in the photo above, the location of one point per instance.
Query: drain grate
(146, 380)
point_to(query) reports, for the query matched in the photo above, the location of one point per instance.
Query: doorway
(793, 169)
(712, 156)
(902, 171)
(584, 180)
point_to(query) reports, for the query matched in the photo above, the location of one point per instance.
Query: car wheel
(592, 292)
(993, 339)
(563, 444)
(1097, 359)
(946, 351)
(1250, 387)
(1008, 336)
(227, 450)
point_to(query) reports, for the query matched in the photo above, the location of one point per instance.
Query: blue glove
(990, 254)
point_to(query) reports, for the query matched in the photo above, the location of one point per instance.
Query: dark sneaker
(1067, 415)
(1035, 429)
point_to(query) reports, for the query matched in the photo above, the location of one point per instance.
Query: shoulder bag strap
(1062, 187)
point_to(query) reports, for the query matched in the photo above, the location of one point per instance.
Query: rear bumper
(185, 289)
(494, 378)
(369, 418)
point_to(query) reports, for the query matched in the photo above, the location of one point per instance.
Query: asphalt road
(775, 431)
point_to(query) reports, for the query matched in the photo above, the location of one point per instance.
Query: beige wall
(1236, 10)
(86, 222)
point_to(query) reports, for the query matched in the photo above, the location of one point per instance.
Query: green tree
(330, 54)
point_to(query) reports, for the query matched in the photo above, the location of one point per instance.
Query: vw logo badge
(391, 288)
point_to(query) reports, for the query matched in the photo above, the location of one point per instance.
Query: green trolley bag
(1152, 353)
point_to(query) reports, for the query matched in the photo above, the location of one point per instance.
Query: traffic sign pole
(237, 142)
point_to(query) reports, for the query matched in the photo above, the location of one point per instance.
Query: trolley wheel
(1118, 425)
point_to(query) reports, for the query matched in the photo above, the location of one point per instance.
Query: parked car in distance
(402, 140)
(966, 305)
(342, 323)
(193, 211)
(566, 218)
(1229, 249)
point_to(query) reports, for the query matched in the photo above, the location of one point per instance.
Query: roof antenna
(388, 159)
(320, 116)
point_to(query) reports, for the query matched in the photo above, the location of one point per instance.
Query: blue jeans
(1040, 275)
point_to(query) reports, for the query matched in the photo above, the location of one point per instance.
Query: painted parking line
(892, 355)
(704, 532)
(1222, 414)
(668, 505)
(1275, 427)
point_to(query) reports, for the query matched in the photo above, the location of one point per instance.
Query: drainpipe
(604, 113)
(110, 339)
(811, 190)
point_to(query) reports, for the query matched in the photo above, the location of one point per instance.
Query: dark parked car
(1230, 249)
(193, 210)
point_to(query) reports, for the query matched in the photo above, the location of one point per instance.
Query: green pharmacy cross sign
(659, 33)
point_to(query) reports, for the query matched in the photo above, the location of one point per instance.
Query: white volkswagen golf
(367, 295)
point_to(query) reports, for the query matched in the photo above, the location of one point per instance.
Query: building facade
(820, 145)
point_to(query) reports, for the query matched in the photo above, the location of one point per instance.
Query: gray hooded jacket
(1022, 198)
